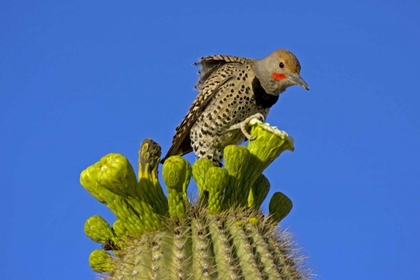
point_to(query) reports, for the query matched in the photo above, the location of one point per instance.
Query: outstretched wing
(212, 77)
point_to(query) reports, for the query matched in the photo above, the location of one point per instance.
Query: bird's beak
(299, 81)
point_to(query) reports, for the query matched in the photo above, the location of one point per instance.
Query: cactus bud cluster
(220, 235)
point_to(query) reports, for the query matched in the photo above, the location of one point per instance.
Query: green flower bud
(149, 158)
(115, 173)
(258, 192)
(120, 229)
(199, 170)
(117, 204)
(216, 181)
(268, 144)
(280, 206)
(97, 229)
(149, 187)
(176, 173)
(101, 261)
(236, 163)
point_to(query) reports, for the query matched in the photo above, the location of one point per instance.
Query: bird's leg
(242, 125)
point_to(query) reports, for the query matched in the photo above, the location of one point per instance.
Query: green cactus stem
(221, 235)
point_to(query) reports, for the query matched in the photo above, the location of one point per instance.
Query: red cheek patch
(278, 76)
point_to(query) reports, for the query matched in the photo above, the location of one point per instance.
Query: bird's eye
(281, 65)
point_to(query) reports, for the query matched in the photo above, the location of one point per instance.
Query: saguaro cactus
(220, 235)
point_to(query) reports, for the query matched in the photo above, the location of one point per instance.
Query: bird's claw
(242, 125)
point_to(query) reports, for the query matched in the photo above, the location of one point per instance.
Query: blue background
(80, 79)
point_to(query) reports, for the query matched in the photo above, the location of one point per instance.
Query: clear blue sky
(80, 79)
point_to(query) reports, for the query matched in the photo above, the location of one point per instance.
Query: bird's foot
(242, 125)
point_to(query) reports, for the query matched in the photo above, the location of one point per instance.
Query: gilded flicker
(232, 91)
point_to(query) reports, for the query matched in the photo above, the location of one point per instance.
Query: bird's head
(278, 71)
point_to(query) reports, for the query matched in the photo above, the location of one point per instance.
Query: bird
(232, 91)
